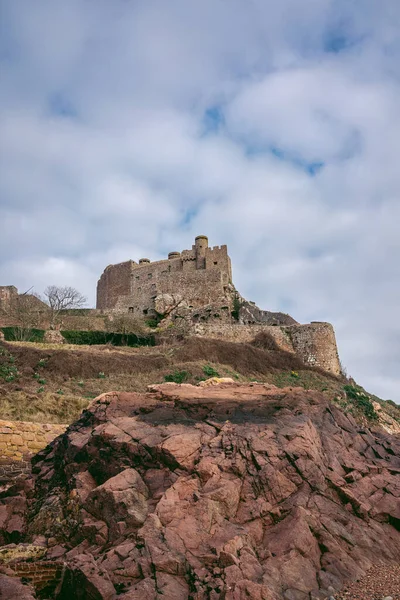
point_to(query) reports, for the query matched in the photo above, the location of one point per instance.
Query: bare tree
(60, 299)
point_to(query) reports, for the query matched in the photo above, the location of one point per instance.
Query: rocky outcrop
(12, 587)
(249, 313)
(227, 491)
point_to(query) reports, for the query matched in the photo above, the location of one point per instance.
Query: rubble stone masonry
(314, 343)
(200, 276)
(19, 440)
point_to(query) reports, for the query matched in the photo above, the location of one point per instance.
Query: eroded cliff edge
(228, 492)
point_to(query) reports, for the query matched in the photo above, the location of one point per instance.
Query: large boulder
(121, 502)
(164, 304)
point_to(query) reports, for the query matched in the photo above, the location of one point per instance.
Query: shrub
(236, 308)
(91, 338)
(358, 397)
(17, 334)
(177, 376)
(265, 341)
(8, 370)
(392, 403)
(210, 371)
(152, 323)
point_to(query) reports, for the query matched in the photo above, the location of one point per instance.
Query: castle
(202, 276)
(195, 286)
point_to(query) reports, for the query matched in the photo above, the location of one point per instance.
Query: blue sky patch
(312, 168)
(61, 106)
(213, 119)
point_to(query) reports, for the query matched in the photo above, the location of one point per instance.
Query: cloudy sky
(130, 126)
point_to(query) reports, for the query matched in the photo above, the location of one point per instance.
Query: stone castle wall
(19, 440)
(114, 282)
(199, 275)
(8, 294)
(314, 343)
(91, 320)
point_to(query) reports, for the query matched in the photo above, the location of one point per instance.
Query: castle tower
(201, 244)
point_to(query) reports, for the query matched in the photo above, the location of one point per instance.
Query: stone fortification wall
(114, 282)
(236, 332)
(8, 294)
(19, 440)
(92, 320)
(198, 288)
(250, 314)
(217, 257)
(88, 322)
(314, 343)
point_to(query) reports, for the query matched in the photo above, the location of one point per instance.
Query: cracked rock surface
(226, 492)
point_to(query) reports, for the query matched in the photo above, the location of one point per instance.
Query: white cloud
(106, 154)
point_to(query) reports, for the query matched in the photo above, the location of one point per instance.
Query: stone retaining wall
(19, 440)
(43, 575)
(314, 342)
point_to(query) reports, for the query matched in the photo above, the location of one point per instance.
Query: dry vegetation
(48, 383)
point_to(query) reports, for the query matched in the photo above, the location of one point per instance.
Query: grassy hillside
(54, 384)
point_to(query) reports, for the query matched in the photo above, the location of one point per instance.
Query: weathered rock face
(11, 587)
(221, 492)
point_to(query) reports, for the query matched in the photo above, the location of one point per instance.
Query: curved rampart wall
(314, 343)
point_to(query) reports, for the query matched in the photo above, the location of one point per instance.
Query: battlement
(223, 247)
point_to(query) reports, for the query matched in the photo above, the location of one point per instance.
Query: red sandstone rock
(121, 502)
(231, 491)
(87, 579)
(12, 587)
